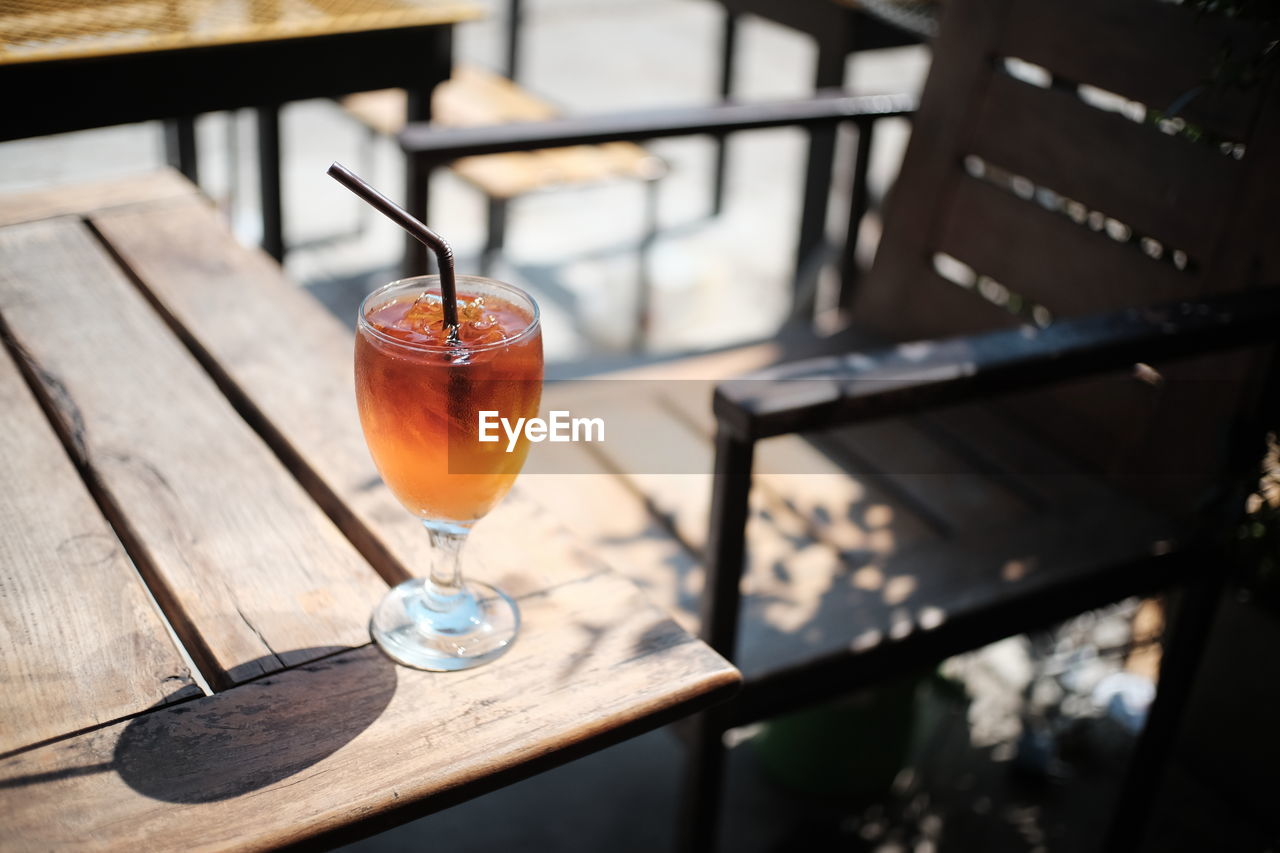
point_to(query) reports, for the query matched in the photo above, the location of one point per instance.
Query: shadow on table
(218, 747)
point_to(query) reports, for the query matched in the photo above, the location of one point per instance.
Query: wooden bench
(475, 97)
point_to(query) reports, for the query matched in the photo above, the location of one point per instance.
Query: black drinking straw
(420, 231)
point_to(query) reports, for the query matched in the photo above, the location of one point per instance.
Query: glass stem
(444, 585)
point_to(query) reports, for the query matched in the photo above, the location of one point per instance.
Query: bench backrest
(1078, 156)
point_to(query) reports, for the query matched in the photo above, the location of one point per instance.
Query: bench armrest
(834, 391)
(829, 107)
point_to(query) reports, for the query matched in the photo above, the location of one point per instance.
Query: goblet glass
(419, 391)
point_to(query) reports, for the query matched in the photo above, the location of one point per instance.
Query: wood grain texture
(80, 198)
(81, 643)
(249, 570)
(351, 739)
(297, 389)
(354, 738)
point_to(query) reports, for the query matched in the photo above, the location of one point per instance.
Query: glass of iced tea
(420, 391)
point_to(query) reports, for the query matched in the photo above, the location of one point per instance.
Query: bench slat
(1056, 140)
(474, 97)
(1120, 57)
(1002, 236)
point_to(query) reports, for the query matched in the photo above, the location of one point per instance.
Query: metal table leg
(720, 611)
(417, 189)
(417, 170)
(269, 180)
(859, 196)
(728, 47)
(180, 146)
(496, 234)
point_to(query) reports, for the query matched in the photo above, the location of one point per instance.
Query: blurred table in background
(838, 28)
(76, 64)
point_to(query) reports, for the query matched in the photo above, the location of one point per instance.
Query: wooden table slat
(356, 738)
(77, 198)
(110, 655)
(252, 574)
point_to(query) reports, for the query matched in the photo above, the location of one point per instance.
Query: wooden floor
(857, 537)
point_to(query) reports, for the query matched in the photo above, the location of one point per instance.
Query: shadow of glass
(256, 734)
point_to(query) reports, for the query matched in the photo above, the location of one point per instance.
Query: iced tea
(419, 394)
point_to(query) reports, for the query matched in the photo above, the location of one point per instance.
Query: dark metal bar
(180, 146)
(417, 171)
(829, 392)
(644, 279)
(728, 51)
(1192, 625)
(496, 234)
(1183, 649)
(811, 246)
(720, 609)
(858, 201)
(818, 19)
(61, 95)
(703, 785)
(441, 145)
(231, 138)
(269, 180)
(417, 193)
(515, 17)
(368, 152)
(725, 546)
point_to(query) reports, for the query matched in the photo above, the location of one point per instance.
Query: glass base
(443, 634)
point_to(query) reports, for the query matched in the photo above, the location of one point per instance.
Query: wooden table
(192, 537)
(76, 64)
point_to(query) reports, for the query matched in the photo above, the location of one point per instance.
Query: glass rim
(363, 324)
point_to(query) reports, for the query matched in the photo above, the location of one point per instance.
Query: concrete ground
(977, 776)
